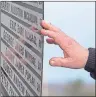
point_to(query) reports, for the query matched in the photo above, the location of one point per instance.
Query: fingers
(59, 38)
(57, 35)
(48, 33)
(49, 26)
(50, 41)
(61, 62)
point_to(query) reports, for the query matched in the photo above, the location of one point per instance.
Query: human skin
(75, 55)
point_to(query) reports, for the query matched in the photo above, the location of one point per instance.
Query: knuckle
(68, 41)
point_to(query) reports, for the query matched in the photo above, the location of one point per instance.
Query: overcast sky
(77, 19)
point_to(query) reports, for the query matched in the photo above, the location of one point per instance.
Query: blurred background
(76, 19)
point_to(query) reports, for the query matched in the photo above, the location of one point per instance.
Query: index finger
(49, 26)
(48, 33)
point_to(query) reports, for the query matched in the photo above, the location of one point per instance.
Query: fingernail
(52, 62)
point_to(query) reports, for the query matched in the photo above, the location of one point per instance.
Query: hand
(75, 56)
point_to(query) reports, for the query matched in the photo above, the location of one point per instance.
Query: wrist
(86, 55)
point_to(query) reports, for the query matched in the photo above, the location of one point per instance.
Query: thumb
(61, 62)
